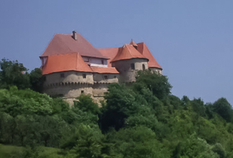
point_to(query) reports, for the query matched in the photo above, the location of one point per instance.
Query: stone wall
(105, 78)
(127, 74)
(70, 85)
(68, 77)
(68, 91)
(101, 82)
(156, 70)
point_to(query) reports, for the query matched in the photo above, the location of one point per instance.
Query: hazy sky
(191, 39)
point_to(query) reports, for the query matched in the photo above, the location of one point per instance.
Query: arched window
(143, 67)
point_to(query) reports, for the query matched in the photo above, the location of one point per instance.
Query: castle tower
(67, 75)
(152, 64)
(128, 61)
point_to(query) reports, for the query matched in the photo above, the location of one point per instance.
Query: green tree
(36, 80)
(137, 142)
(120, 103)
(85, 142)
(194, 147)
(86, 104)
(13, 73)
(223, 108)
(16, 102)
(157, 83)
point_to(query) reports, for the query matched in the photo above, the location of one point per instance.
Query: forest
(140, 120)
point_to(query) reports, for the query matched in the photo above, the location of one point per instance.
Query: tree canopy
(142, 119)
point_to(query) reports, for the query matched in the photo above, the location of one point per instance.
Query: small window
(114, 76)
(84, 76)
(62, 75)
(132, 66)
(82, 91)
(102, 62)
(143, 67)
(105, 77)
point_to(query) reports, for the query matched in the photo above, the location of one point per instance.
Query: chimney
(74, 35)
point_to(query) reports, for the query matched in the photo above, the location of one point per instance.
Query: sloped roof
(133, 43)
(104, 70)
(65, 62)
(109, 53)
(143, 49)
(127, 52)
(64, 44)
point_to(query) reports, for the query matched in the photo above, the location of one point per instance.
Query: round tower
(128, 61)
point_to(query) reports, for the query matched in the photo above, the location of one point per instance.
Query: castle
(72, 66)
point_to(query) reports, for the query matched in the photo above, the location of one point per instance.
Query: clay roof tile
(128, 52)
(64, 44)
(104, 70)
(65, 62)
(143, 49)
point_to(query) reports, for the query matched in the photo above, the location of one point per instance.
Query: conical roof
(143, 49)
(128, 52)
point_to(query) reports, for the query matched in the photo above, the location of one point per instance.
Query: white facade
(95, 61)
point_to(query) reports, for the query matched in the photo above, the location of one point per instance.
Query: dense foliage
(141, 120)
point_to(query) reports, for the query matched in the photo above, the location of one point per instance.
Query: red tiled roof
(65, 62)
(64, 44)
(127, 52)
(143, 49)
(104, 70)
(109, 53)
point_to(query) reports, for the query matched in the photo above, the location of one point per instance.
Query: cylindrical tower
(128, 61)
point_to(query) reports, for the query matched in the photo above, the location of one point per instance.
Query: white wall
(95, 61)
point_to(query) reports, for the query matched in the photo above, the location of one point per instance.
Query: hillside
(136, 121)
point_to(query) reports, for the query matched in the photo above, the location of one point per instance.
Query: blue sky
(191, 40)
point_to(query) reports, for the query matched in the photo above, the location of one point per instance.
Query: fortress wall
(111, 78)
(99, 90)
(154, 69)
(69, 76)
(69, 91)
(127, 74)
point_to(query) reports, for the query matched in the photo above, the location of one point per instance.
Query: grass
(9, 151)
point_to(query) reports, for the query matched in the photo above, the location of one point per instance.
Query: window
(62, 75)
(102, 62)
(84, 76)
(82, 91)
(105, 77)
(143, 67)
(132, 66)
(114, 76)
